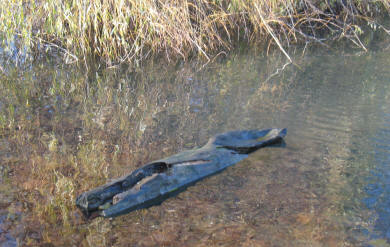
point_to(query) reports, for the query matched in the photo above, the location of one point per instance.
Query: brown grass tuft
(133, 30)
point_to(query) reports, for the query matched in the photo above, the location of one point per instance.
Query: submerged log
(158, 180)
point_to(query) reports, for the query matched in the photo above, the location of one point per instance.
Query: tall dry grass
(133, 30)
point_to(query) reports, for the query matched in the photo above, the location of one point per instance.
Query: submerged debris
(158, 180)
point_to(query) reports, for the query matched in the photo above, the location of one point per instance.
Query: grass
(134, 30)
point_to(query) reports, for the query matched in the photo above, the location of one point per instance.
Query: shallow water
(64, 131)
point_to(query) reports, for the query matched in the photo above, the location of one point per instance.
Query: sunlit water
(64, 131)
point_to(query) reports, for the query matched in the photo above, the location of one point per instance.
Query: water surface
(64, 131)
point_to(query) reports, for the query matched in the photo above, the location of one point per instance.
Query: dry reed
(133, 30)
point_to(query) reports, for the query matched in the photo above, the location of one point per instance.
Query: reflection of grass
(67, 141)
(62, 142)
(57, 177)
(118, 31)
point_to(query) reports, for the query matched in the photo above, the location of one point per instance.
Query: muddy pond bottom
(64, 131)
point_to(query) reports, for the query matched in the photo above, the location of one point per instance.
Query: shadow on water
(64, 131)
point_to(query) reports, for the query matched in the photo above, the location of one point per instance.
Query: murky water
(64, 131)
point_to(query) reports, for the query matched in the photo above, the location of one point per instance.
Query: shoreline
(132, 32)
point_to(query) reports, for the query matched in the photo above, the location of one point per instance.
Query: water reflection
(378, 192)
(63, 131)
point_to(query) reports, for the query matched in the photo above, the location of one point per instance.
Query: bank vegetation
(134, 30)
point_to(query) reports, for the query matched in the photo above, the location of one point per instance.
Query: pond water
(64, 131)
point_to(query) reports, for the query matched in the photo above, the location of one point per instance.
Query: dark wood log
(154, 182)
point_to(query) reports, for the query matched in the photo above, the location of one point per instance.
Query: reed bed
(134, 30)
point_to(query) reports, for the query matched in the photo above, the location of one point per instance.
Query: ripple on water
(378, 191)
(328, 187)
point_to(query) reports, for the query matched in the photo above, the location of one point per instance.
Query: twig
(358, 40)
(272, 34)
(65, 51)
(383, 28)
(278, 70)
(211, 60)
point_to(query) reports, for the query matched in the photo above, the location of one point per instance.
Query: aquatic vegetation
(132, 30)
(59, 138)
(64, 131)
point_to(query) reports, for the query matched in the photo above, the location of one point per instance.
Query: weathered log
(160, 179)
